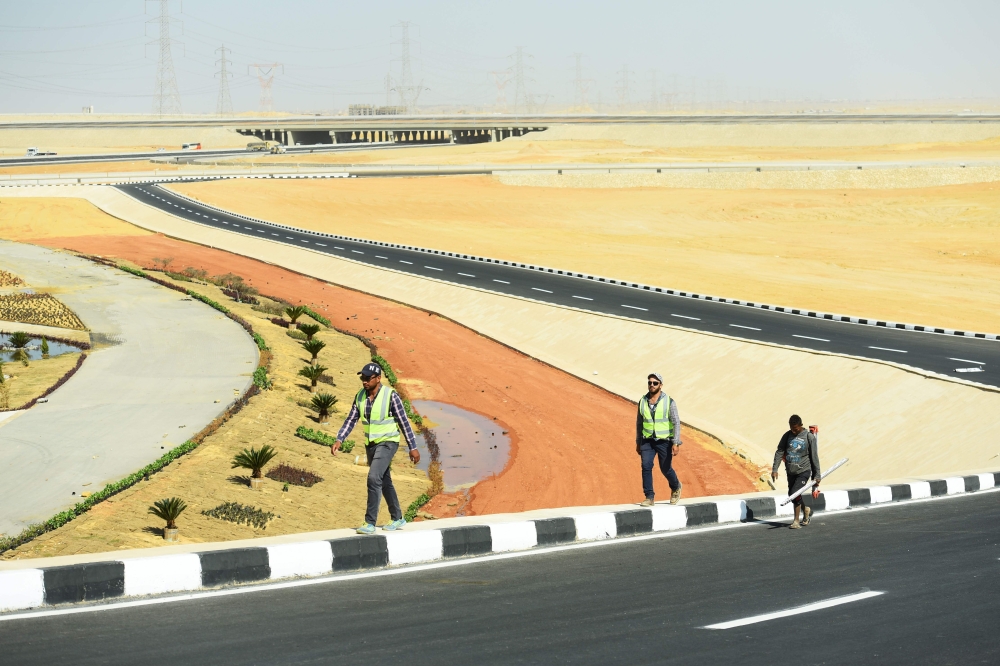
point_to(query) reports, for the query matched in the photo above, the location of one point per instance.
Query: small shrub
(271, 307)
(260, 378)
(323, 404)
(293, 475)
(317, 436)
(168, 509)
(196, 273)
(411, 511)
(278, 321)
(45, 348)
(309, 329)
(180, 277)
(240, 296)
(261, 345)
(313, 373)
(316, 316)
(254, 459)
(296, 334)
(240, 514)
(295, 312)
(314, 347)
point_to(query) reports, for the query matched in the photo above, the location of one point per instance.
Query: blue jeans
(651, 449)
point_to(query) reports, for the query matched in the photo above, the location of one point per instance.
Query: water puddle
(34, 349)
(470, 447)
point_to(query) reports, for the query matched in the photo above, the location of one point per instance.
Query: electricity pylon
(166, 96)
(265, 76)
(224, 105)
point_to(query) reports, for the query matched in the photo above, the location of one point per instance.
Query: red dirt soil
(556, 460)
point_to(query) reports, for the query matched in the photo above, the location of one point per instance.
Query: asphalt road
(630, 602)
(945, 354)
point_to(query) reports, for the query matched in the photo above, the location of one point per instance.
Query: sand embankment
(926, 256)
(82, 140)
(743, 392)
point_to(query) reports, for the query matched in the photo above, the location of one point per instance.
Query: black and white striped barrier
(622, 283)
(162, 574)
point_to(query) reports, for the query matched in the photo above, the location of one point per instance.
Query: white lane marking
(467, 275)
(303, 240)
(809, 337)
(501, 282)
(224, 222)
(357, 251)
(379, 256)
(337, 248)
(965, 360)
(261, 231)
(321, 244)
(289, 238)
(969, 370)
(686, 317)
(808, 608)
(749, 328)
(406, 262)
(583, 298)
(273, 234)
(632, 307)
(214, 220)
(543, 290)
(898, 351)
(433, 269)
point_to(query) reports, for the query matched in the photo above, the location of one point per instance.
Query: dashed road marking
(686, 317)
(583, 298)
(357, 251)
(501, 281)
(633, 307)
(543, 290)
(808, 608)
(965, 360)
(749, 328)
(406, 262)
(433, 269)
(379, 256)
(809, 337)
(898, 351)
(467, 275)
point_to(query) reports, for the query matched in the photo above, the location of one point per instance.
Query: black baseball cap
(371, 370)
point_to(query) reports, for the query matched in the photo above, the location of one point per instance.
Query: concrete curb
(113, 578)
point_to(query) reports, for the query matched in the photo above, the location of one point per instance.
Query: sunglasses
(653, 383)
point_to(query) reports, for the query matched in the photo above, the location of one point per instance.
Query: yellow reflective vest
(656, 421)
(379, 426)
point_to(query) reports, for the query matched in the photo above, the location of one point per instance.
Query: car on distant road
(34, 152)
(191, 146)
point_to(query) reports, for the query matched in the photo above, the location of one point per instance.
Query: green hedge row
(208, 301)
(261, 345)
(60, 519)
(320, 437)
(316, 316)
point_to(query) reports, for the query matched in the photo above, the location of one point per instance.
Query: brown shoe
(808, 513)
(675, 496)
(647, 502)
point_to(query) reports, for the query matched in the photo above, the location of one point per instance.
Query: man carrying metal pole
(657, 435)
(799, 449)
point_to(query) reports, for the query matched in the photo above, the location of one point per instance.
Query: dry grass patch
(204, 479)
(27, 382)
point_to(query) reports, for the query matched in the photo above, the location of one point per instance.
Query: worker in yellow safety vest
(383, 418)
(658, 435)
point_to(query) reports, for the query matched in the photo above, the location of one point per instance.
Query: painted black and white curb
(143, 576)
(597, 278)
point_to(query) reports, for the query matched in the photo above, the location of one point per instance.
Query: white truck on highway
(34, 152)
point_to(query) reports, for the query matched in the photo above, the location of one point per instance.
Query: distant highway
(967, 358)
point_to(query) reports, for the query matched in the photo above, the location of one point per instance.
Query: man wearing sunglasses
(383, 418)
(658, 435)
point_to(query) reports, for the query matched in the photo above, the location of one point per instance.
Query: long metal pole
(813, 482)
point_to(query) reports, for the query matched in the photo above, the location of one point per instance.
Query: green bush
(390, 376)
(296, 334)
(168, 509)
(208, 301)
(309, 329)
(260, 378)
(323, 404)
(306, 310)
(254, 459)
(411, 511)
(133, 271)
(261, 345)
(295, 312)
(45, 348)
(314, 347)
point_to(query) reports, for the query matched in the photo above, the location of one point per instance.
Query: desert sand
(921, 255)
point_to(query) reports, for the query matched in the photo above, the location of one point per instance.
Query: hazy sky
(58, 55)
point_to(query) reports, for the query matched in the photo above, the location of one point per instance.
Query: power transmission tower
(224, 105)
(166, 97)
(405, 88)
(265, 76)
(500, 79)
(580, 84)
(519, 71)
(654, 94)
(388, 90)
(622, 88)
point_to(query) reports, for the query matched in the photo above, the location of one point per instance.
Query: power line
(167, 98)
(224, 105)
(580, 84)
(622, 88)
(265, 76)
